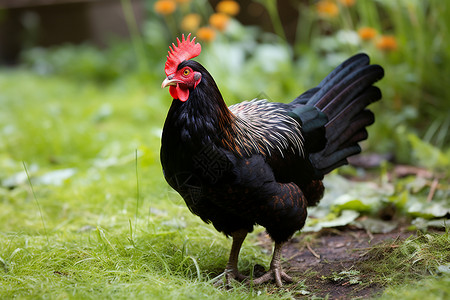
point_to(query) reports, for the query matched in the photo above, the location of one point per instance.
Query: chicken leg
(231, 270)
(275, 272)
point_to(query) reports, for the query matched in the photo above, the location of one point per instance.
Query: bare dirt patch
(326, 261)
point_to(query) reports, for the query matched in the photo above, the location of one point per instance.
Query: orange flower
(183, 1)
(190, 22)
(165, 7)
(219, 21)
(367, 33)
(327, 8)
(347, 2)
(387, 43)
(206, 33)
(228, 7)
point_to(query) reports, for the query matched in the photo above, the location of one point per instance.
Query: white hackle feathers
(264, 127)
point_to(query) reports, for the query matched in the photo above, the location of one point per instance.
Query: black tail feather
(351, 119)
(343, 96)
(331, 84)
(336, 140)
(347, 88)
(338, 158)
(359, 136)
(304, 98)
(352, 108)
(360, 59)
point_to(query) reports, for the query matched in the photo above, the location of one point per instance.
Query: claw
(227, 276)
(275, 272)
(232, 273)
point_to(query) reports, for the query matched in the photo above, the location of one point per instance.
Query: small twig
(312, 251)
(433, 188)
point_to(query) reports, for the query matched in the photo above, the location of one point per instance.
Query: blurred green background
(82, 112)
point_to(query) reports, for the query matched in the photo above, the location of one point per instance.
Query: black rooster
(259, 162)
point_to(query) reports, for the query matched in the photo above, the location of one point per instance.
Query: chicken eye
(186, 72)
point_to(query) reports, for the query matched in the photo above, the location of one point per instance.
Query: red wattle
(178, 93)
(183, 94)
(173, 92)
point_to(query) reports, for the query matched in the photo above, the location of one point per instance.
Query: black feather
(330, 82)
(342, 97)
(313, 123)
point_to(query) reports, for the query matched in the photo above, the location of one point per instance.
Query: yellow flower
(206, 33)
(165, 7)
(219, 21)
(347, 2)
(228, 7)
(327, 8)
(387, 43)
(190, 22)
(367, 33)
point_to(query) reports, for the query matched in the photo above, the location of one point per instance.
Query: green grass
(416, 268)
(428, 288)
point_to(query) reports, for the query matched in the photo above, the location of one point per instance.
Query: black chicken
(259, 162)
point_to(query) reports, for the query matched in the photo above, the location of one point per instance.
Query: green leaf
(437, 208)
(424, 224)
(348, 201)
(345, 218)
(376, 225)
(427, 155)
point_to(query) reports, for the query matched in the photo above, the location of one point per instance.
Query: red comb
(185, 50)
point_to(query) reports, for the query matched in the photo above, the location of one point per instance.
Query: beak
(169, 81)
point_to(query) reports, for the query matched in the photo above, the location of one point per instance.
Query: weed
(398, 263)
(345, 277)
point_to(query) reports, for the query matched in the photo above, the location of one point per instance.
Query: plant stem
(37, 202)
(137, 191)
(272, 9)
(136, 39)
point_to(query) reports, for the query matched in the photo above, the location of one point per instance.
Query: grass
(411, 269)
(412, 258)
(428, 288)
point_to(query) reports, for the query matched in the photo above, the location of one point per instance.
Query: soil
(314, 259)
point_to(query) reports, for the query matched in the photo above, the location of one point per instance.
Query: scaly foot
(275, 272)
(231, 271)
